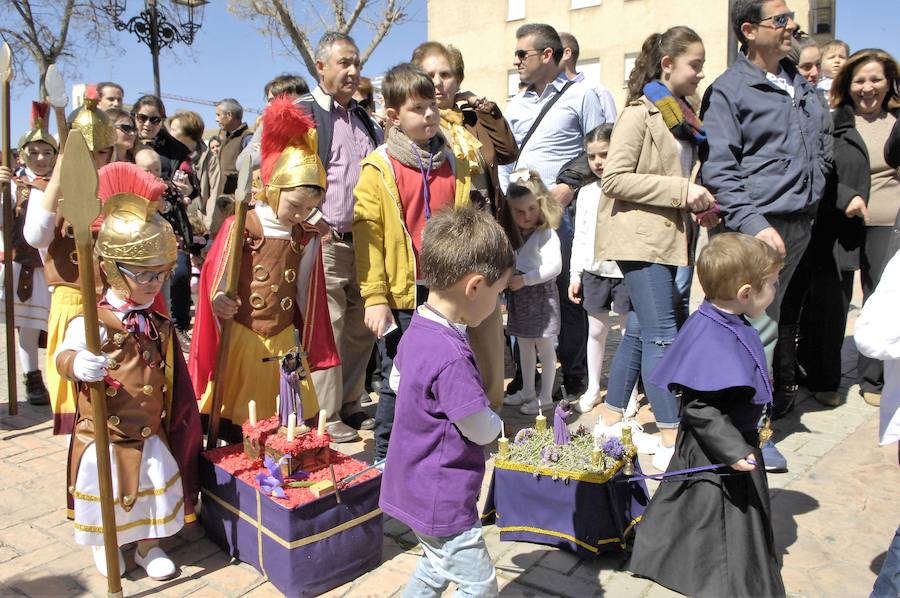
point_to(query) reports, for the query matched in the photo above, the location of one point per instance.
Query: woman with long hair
(652, 225)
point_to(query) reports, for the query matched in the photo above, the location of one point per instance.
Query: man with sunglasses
(765, 159)
(548, 140)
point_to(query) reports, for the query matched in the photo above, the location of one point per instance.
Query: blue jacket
(764, 154)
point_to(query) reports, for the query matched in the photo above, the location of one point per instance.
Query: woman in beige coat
(652, 222)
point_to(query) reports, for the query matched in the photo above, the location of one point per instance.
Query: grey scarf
(409, 154)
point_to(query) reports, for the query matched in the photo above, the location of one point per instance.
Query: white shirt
(76, 338)
(782, 81)
(589, 199)
(877, 335)
(539, 260)
(606, 100)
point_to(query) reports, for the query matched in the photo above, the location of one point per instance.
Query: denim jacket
(765, 154)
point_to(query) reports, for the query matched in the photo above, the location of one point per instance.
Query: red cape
(317, 335)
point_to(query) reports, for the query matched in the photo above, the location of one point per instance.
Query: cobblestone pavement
(835, 513)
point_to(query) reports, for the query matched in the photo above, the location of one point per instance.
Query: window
(821, 14)
(512, 83)
(576, 4)
(591, 71)
(630, 59)
(515, 10)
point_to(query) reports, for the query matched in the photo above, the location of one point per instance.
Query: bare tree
(279, 21)
(45, 32)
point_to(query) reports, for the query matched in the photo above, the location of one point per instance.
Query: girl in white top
(597, 285)
(533, 301)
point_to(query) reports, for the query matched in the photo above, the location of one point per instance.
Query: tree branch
(389, 18)
(297, 35)
(354, 16)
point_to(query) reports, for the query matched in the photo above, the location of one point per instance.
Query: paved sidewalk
(835, 513)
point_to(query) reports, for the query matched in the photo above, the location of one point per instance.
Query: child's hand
(224, 307)
(88, 367)
(379, 319)
(516, 282)
(574, 292)
(748, 463)
(6, 175)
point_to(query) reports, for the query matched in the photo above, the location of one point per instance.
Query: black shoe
(341, 432)
(783, 400)
(35, 391)
(359, 421)
(575, 385)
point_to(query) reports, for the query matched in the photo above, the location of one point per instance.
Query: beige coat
(643, 176)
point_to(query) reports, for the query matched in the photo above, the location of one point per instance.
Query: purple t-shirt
(433, 473)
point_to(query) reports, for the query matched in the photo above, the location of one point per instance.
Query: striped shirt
(350, 143)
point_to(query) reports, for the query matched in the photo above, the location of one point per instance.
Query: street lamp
(155, 29)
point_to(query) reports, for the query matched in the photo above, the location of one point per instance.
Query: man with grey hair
(346, 135)
(234, 136)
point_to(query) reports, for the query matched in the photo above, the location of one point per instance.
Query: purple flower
(271, 483)
(550, 454)
(523, 435)
(613, 447)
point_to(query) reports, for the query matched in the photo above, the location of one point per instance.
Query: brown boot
(35, 391)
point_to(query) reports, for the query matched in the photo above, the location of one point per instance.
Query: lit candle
(322, 418)
(251, 408)
(292, 426)
(540, 422)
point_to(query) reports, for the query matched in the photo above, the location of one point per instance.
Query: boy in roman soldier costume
(48, 232)
(153, 424)
(30, 296)
(281, 286)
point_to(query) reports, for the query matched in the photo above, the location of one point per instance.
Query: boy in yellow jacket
(402, 183)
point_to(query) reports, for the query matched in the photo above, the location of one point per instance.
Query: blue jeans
(462, 559)
(650, 330)
(683, 278)
(387, 398)
(887, 585)
(572, 350)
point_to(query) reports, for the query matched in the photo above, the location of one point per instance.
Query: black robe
(710, 533)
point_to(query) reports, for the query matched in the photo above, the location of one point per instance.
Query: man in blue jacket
(765, 160)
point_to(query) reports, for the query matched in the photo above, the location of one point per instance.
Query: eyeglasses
(779, 21)
(143, 119)
(145, 277)
(523, 54)
(126, 128)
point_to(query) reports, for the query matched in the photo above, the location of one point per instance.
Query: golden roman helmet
(133, 232)
(39, 119)
(289, 151)
(98, 131)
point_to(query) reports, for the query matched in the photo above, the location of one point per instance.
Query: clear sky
(231, 59)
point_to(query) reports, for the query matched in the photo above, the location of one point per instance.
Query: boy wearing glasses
(31, 299)
(281, 287)
(770, 185)
(153, 425)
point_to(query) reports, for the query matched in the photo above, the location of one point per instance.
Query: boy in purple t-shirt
(435, 461)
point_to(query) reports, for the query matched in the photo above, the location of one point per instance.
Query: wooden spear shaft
(8, 199)
(80, 207)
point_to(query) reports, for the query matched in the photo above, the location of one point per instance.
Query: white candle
(277, 404)
(322, 418)
(502, 429)
(292, 426)
(251, 408)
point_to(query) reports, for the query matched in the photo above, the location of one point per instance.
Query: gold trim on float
(290, 545)
(558, 474)
(582, 543)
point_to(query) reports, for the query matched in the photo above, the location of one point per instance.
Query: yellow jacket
(385, 260)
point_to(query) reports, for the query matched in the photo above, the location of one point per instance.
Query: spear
(232, 273)
(6, 73)
(80, 208)
(56, 93)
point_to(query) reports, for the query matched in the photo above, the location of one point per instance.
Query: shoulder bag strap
(540, 116)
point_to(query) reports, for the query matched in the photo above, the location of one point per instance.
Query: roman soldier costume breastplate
(268, 290)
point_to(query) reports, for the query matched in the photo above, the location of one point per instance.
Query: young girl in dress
(533, 301)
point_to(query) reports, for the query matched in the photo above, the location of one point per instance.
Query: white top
(76, 339)
(482, 427)
(606, 99)
(877, 336)
(583, 259)
(39, 223)
(782, 81)
(539, 260)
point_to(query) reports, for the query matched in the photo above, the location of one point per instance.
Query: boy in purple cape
(709, 532)
(435, 461)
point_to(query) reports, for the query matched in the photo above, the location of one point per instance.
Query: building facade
(610, 33)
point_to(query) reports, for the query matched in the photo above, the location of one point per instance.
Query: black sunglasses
(523, 54)
(779, 21)
(143, 118)
(126, 128)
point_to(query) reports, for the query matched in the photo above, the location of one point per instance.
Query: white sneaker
(587, 402)
(633, 404)
(157, 564)
(646, 444)
(516, 399)
(100, 560)
(662, 457)
(532, 408)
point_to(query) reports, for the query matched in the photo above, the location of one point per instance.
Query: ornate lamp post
(153, 26)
